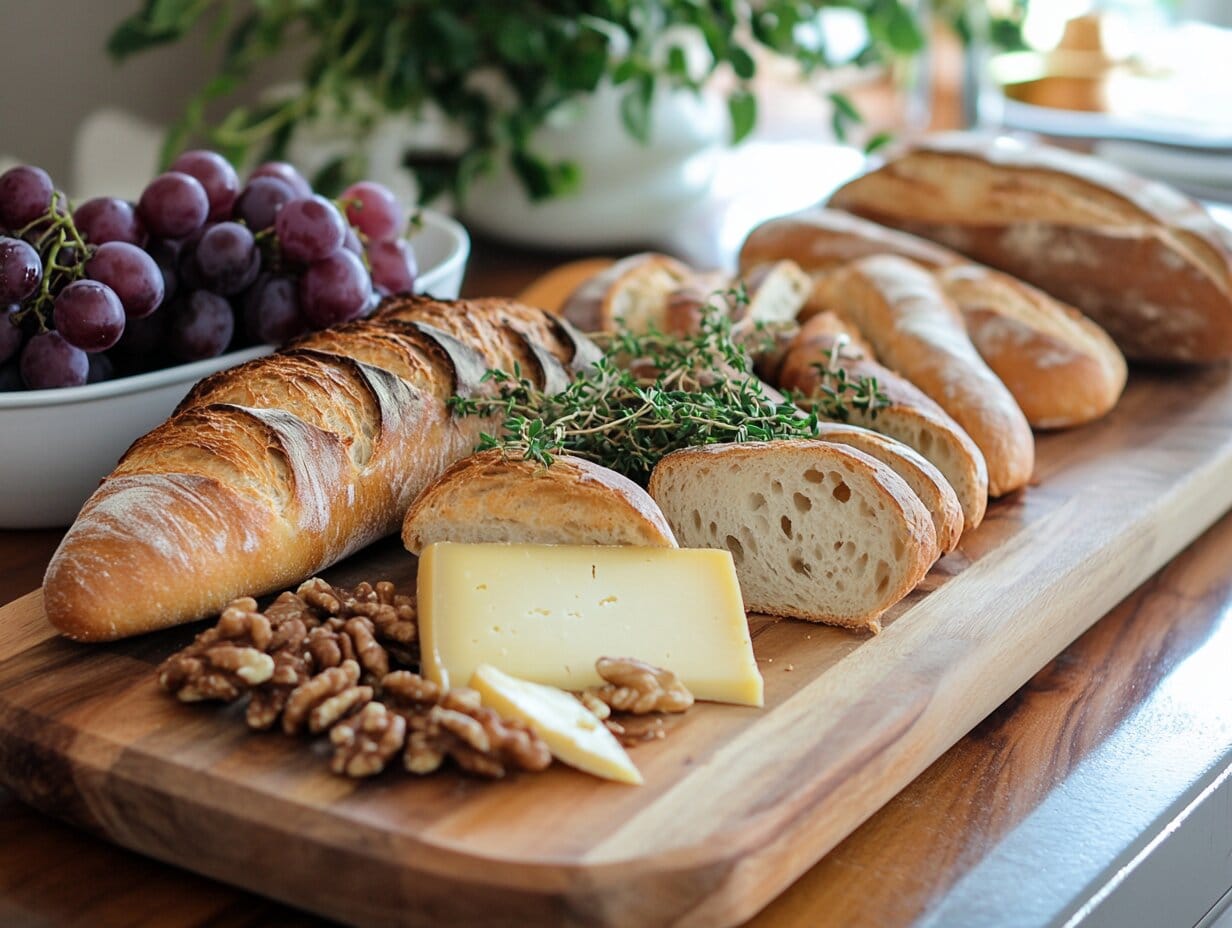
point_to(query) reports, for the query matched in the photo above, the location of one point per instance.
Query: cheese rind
(546, 613)
(571, 731)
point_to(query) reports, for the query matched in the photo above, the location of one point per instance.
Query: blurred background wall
(56, 70)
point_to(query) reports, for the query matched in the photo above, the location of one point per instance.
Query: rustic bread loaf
(819, 239)
(817, 531)
(911, 417)
(1144, 261)
(277, 468)
(489, 497)
(776, 292)
(1061, 368)
(925, 480)
(917, 331)
(634, 291)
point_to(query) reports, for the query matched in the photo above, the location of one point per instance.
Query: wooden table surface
(1019, 823)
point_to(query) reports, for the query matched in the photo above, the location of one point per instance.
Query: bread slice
(911, 417)
(489, 498)
(925, 480)
(634, 291)
(817, 531)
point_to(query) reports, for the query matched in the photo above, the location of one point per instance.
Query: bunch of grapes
(198, 266)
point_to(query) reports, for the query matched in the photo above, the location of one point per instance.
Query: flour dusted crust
(489, 497)
(1144, 261)
(275, 469)
(917, 332)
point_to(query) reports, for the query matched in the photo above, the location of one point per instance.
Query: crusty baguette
(911, 417)
(817, 531)
(279, 467)
(820, 239)
(1061, 368)
(917, 331)
(490, 497)
(925, 480)
(776, 292)
(1144, 261)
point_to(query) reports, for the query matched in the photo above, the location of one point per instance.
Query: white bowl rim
(195, 370)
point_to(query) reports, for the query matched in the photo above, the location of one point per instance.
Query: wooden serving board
(737, 802)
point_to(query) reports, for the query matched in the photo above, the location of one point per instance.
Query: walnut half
(637, 687)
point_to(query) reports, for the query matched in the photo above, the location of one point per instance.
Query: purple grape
(374, 210)
(174, 205)
(109, 219)
(214, 172)
(11, 335)
(352, 243)
(285, 173)
(227, 258)
(21, 271)
(271, 310)
(261, 200)
(89, 315)
(49, 361)
(25, 194)
(101, 368)
(132, 274)
(166, 254)
(393, 266)
(310, 229)
(334, 290)
(10, 377)
(143, 337)
(202, 326)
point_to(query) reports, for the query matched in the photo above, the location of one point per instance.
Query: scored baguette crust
(925, 480)
(917, 331)
(911, 417)
(489, 497)
(1145, 262)
(1062, 368)
(687, 481)
(273, 470)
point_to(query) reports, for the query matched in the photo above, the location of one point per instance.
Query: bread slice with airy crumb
(490, 498)
(919, 473)
(817, 531)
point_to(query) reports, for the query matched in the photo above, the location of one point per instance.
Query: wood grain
(737, 803)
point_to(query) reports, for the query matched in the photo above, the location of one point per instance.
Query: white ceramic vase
(631, 193)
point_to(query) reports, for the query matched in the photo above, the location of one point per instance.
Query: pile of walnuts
(325, 659)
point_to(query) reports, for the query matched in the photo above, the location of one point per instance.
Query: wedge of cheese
(571, 731)
(546, 613)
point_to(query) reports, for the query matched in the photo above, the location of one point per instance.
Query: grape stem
(61, 234)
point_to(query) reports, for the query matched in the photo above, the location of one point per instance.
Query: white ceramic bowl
(55, 445)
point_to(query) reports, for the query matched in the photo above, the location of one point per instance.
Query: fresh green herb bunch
(840, 394)
(649, 395)
(366, 58)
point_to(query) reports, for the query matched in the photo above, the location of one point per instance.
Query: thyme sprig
(649, 395)
(840, 394)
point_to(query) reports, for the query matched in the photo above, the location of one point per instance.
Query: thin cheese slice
(572, 732)
(546, 613)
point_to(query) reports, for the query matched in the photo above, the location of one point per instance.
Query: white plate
(55, 445)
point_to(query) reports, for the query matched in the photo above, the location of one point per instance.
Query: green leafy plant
(366, 58)
(652, 394)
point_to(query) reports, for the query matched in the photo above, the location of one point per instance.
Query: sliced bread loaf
(489, 498)
(817, 531)
(925, 480)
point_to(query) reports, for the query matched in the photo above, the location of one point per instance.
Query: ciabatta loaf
(910, 416)
(1061, 368)
(917, 331)
(489, 497)
(925, 480)
(277, 468)
(817, 531)
(1144, 261)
